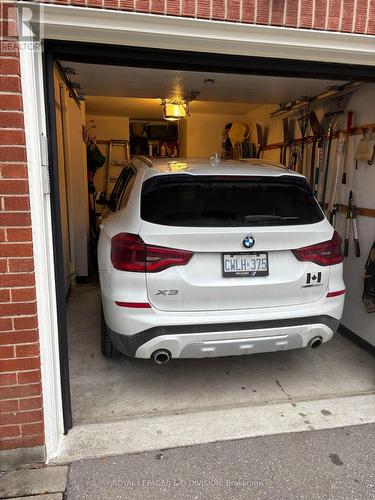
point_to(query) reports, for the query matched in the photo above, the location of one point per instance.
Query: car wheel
(108, 349)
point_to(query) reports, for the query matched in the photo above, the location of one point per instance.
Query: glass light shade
(173, 111)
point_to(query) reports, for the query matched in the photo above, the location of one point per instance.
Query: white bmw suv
(199, 258)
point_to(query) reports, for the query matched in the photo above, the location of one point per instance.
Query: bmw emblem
(248, 241)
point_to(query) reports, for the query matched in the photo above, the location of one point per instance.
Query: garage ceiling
(120, 81)
(150, 109)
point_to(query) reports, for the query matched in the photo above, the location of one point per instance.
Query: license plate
(245, 265)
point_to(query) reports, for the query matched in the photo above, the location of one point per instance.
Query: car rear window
(209, 201)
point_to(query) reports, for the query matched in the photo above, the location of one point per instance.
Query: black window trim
(129, 180)
(113, 205)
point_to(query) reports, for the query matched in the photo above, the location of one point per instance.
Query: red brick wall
(331, 15)
(21, 419)
(21, 415)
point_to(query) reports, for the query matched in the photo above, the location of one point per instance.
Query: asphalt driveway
(326, 464)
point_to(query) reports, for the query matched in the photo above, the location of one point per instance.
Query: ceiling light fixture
(175, 109)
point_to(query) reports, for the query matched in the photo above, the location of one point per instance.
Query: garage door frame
(65, 43)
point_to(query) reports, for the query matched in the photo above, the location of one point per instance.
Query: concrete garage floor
(105, 389)
(126, 405)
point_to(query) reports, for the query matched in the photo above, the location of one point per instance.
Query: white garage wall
(362, 182)
(272, 126)
(200, 134)
(110, 127)
(204, 133)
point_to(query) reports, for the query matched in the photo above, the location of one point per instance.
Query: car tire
(108, 349)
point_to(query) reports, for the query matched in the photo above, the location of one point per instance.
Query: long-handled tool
(310, 173)
(351, 220)
(303, 122)
(286, 142)
(341, 153)
(314, 169)
(348, 131)
(293, 155)
(332, 108)
(293, 148)
(340, 159)
(319, 161)
(332, 215)
(262, 139)
(319, 165)
(327, 156)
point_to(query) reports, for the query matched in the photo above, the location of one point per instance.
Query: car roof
(214, 166)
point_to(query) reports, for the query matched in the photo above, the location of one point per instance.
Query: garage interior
(96, 104)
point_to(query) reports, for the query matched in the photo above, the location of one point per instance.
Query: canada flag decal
(313, 279)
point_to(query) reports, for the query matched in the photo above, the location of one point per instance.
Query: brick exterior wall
(21, 407)
(352, 16)
(21, 417)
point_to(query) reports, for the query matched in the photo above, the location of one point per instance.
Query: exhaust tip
(161, 357)
(315, 342)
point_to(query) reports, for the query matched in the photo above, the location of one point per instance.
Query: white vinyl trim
(169, 32)
(35, 125)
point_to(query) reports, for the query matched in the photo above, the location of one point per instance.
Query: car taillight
(130, 253)
(323, 254)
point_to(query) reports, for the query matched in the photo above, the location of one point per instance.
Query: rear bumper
(226, 339)
(139, 332)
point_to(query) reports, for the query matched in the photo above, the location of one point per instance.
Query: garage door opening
(117, 111)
